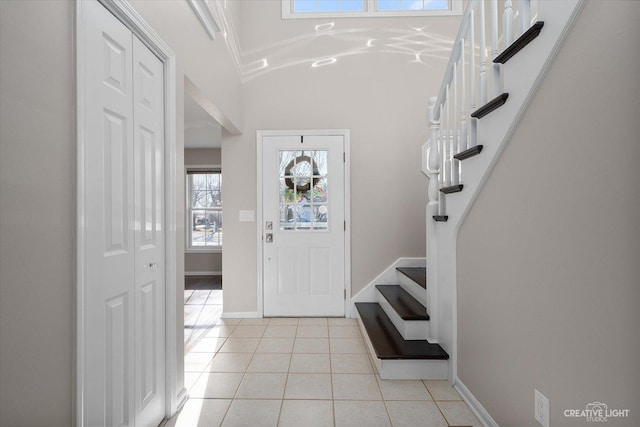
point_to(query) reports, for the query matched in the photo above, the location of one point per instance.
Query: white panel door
(121, 167)
(303, 230)
(149, 298)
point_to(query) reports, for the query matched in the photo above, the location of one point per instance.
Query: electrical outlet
(541, 408)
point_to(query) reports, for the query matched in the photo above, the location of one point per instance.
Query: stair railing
(467, 82)
(469, 79)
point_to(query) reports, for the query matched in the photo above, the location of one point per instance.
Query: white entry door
(122, 158)
(303, 203)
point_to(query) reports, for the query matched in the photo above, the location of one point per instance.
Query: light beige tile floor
(304, 372)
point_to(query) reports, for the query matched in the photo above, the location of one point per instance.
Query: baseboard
(475, 406)
(388, 277)
(203, 273)
(240, 315)
(182, 398)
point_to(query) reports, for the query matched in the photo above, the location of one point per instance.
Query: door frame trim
(346, 134)
(123, 10)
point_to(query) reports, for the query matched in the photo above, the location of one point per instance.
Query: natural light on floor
(302, 372)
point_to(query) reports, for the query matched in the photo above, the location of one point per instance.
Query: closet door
(150, 311)
(121, 162)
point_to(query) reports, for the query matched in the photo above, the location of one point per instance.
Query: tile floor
(303, 372)
(202, 307)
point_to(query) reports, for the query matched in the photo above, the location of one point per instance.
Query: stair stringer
(523, 75)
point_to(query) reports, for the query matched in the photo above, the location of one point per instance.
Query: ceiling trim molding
(205, 16)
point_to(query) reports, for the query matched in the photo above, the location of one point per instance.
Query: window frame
(457, 8)
(191, 170)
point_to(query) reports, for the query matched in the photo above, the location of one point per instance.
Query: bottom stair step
(394, 357)
(387, 341)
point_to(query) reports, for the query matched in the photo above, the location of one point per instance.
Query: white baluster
(447, 141)
(524, 12)
(455, 176)
(444, 132)
(495, 69)
(433, 161)
(507, 24)
(463, 99)
(473, 140)
(483, 56)
(441, 202)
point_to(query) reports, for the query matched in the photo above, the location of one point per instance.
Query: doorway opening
(205, 130)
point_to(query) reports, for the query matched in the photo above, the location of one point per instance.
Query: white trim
(123, 11)
(370, 12)
(240, 315)
(203, 273)
(199, 98)
(210, 250)
(346, 134)
(183, 396)
(205, 16)
(476, 407)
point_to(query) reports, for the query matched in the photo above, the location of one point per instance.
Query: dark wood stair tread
(417, 274)
(515, 47)
(494, 104)
(452, 189)
(473, 151)
(407, 307)
(387, 341)
(441, 218)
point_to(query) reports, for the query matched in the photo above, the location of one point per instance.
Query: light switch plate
(246, 216)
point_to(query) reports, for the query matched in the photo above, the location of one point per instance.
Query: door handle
(269, 238)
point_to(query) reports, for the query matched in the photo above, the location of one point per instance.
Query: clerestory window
(368, 8)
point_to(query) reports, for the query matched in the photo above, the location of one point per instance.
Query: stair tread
(417, 274)
(515, 47)
(407, 307)
(452, 189)
(494, 104)
(387, 341)
(473, 151)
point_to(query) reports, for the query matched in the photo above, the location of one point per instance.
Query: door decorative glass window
(304, 197)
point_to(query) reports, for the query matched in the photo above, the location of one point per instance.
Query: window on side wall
(204, 209)
(368, 8)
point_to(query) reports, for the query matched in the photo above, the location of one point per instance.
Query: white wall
(377, 92)
(37, 208)
(37, 194)
(548, 271)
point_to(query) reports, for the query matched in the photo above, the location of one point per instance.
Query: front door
(303, 203)
(122, 158)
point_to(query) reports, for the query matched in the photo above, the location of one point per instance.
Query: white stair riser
(409, 329)
(416, 291)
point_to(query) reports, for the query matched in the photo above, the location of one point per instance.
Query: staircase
(396, 328)
(486, 89)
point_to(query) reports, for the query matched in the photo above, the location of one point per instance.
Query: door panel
(108, 198)
(149, 245)
(304, 237)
